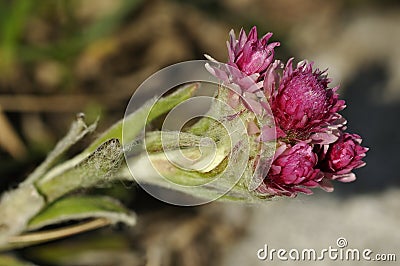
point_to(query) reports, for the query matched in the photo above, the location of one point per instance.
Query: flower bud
(250, 54)
(342, 157)
(293, 170)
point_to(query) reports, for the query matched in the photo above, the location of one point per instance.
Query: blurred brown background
(58, 58)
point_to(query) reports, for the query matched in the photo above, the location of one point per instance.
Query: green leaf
(95, 169)
(137, 120)
(82, 207)
(107, 248)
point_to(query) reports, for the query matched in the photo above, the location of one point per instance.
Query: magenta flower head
(341, 157)
(293, 170)
(294, 111)
(303, 104)
(250, 54)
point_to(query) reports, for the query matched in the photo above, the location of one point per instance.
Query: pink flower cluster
(312, 146)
